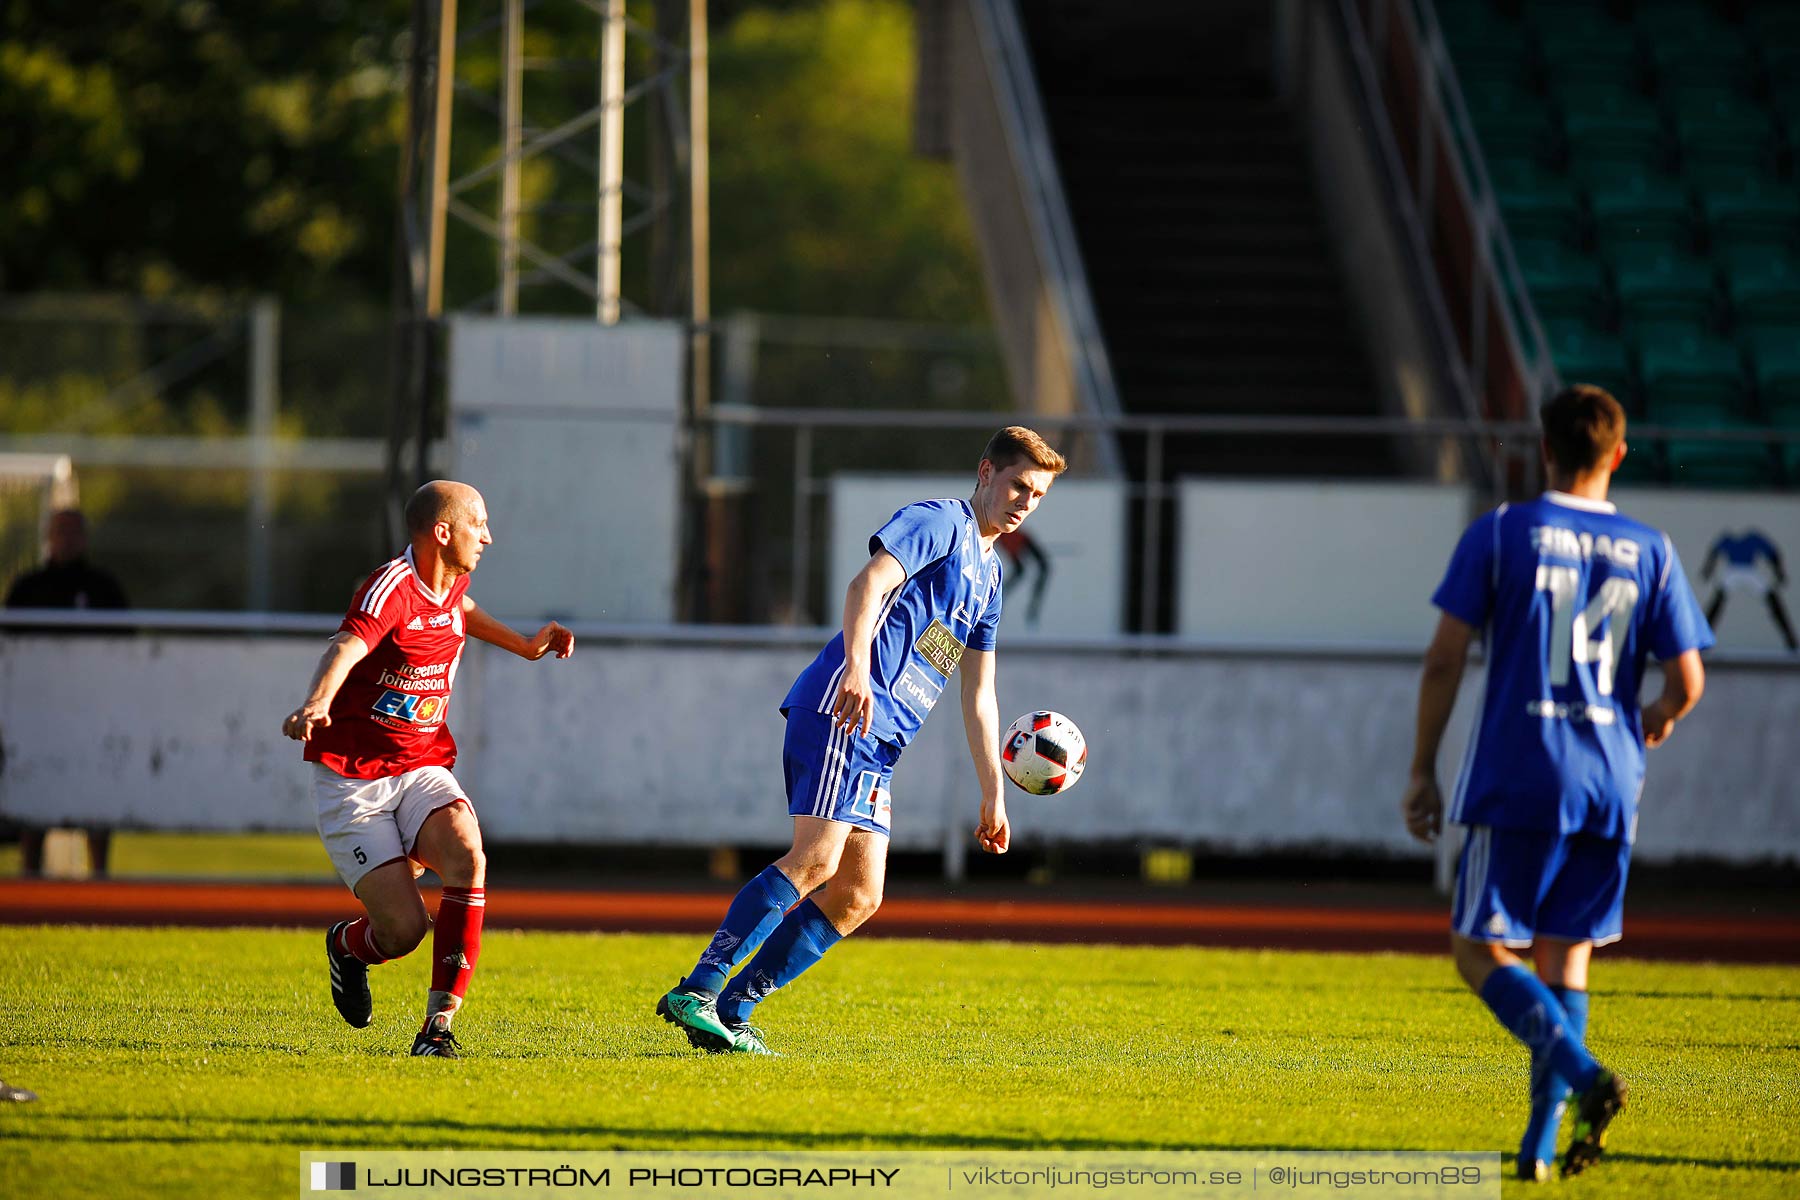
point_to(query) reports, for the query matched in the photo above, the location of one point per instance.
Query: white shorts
(367, 822)
(1746, 580)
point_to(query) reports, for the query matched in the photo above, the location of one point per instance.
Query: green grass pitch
(201, 1061)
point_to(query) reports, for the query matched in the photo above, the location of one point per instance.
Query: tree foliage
(198, 146)
(156, 146)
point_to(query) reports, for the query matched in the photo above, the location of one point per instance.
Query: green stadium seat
(1583, 40)
(1510, 119)
(1753, 241)
(1777, 52)
(1478, 22)
(1784, 97)
(1744, 466)
(1710, 463)
(1509, 74)
(1630, 202)
(1772, 22)
(1681, 359)
(1564, 281)
(1551, 209)
(1483, 39)
(1643, 462)
(1738, 466)
(1588, 15)
(1609, 120)
(1584, 354)
(1713, 123)
(1775, 359)
(1784, 418)
(1749, 203)
(1567, 53)
(1722, 62)
(1661, 282)
(1776, 354)
(1522, 182)
(1762, 281)
(1679, 22)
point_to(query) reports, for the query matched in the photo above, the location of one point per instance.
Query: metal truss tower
(516, 137)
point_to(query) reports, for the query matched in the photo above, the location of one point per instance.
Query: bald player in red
(374, 726)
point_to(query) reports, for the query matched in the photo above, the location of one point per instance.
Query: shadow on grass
(1696, 1044)
(1755, 997)
(1723, 1164)
(405, 1135)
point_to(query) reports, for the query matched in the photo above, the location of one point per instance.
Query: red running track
(1719, 937)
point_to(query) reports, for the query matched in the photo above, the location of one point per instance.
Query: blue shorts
(835, 774)
(1516, 885)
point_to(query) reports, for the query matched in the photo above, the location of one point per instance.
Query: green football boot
(1599, 1105)
(748, 1039)
(696, 1014)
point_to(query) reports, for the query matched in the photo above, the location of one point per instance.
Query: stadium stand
(1643, 153)
(1206, 249)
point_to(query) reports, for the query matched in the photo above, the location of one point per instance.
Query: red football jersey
(388, 718)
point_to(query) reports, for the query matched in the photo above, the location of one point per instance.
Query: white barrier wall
(1695, 521)
(677, 741)
(1284, 563)
(570, 430)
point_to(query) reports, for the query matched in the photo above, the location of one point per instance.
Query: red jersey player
(375, 732)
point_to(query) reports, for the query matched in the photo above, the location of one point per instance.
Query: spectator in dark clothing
(66, 580)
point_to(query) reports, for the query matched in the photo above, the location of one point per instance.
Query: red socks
(357, 941)
(455, 948)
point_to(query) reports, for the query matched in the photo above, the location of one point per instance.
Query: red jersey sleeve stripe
(383, 587)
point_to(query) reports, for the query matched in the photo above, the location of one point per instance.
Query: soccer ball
(1044, 753)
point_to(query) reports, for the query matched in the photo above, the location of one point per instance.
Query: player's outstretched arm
(552, 638)
(854, 705)
(1423, 804)
(981, 722)
(345, 651)
(1684, 679)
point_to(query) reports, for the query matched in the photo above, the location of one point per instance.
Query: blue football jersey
(1743, 550)
(949, 602)
(1571, 598)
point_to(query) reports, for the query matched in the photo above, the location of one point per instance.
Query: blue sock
(1549, 1090)
(1529, 1011)
(755, 910)
(797, 943)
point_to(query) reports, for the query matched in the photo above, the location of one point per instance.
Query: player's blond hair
(1016, 444)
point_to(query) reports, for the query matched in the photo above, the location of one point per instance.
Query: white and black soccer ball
(1044, 753)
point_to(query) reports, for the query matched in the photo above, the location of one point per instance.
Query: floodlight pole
(265, 401)
(612, 162)
(699, 203)
(512, 86)
(440, 157)
(418, 249)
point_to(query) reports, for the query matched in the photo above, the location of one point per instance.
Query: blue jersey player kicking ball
(1571, 597)
(927, 600)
